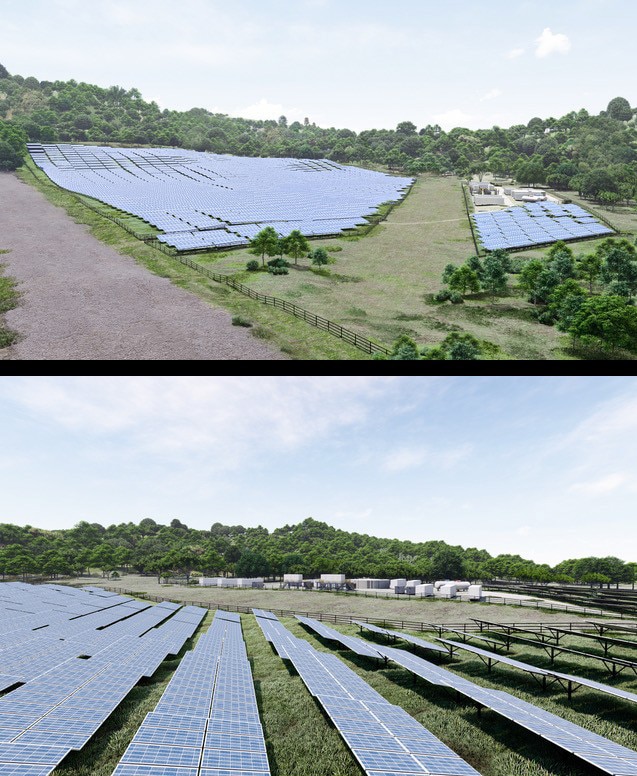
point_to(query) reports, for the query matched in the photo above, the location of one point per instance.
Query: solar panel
(203, 201)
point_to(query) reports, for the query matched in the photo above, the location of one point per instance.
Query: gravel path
(84, 301)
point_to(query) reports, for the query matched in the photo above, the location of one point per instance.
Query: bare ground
(404, 608)
(84, 301)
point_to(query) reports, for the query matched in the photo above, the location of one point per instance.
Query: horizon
(530, 466)
(331, 63)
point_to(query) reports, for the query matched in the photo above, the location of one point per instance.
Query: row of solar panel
(383, 738)
(65, 700)
(208, 716)
(592, 748)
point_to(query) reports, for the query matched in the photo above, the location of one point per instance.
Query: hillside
(592, 154)
(310, 548)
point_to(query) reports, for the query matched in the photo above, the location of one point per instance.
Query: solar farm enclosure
(205, 201)
(536, 224)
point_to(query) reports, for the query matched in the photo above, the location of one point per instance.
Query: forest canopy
(310, 548)
(579, 151)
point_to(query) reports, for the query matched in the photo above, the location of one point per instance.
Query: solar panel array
(594, 749)
(384, 739)
(541, 223)
(76, 654)
(564, 679)
(207, 721)
(205, 201)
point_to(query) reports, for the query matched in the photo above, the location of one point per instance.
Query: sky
(543, 467)
(359, 64)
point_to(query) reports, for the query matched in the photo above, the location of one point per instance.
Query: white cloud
(405, 458)
(228, 419)
(601, 486)
(492, 95)
(551, 43)
(515, 53)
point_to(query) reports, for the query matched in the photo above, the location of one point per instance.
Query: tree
(530, 279)
(252, 564)
(620, 109)
(447, 563)
(462, 347)
(455, 347)
(404, 349)
(496, 267)
(406, 128)
(295, 245)
(266, 243)
(4, 73)
(589, 268)
(320, 257)
(464, 280)
(605, 322)
(12, 146)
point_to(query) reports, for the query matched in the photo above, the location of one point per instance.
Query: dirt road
(84, 301)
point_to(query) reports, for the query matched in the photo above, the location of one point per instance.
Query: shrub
(443, 296)
(239, 320)
(253, 266)
(278, 270)
(456, 298)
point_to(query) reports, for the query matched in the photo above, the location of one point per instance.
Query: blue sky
(359, 64)
(539, 466)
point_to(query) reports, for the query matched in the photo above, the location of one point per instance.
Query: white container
(448, 591)
(413, 583)
(333, 579)
(441, 582)
(397, 583)
(475, 592)
(226, 582)
(462, 587)
(293, 578)
(424, 591)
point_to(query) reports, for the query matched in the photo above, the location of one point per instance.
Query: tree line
(310, 548)
(593, 154)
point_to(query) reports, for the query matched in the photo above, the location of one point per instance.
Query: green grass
(9, 299)
(388, 276)
(295, 338)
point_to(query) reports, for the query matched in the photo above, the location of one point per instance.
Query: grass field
(404, 608)
(380, 284)
(302, 742)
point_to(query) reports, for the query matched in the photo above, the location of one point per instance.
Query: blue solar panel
(145, 754)
(204, 200)
(149, 770)
(22, 769)
(235, 760)
(540, 224)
